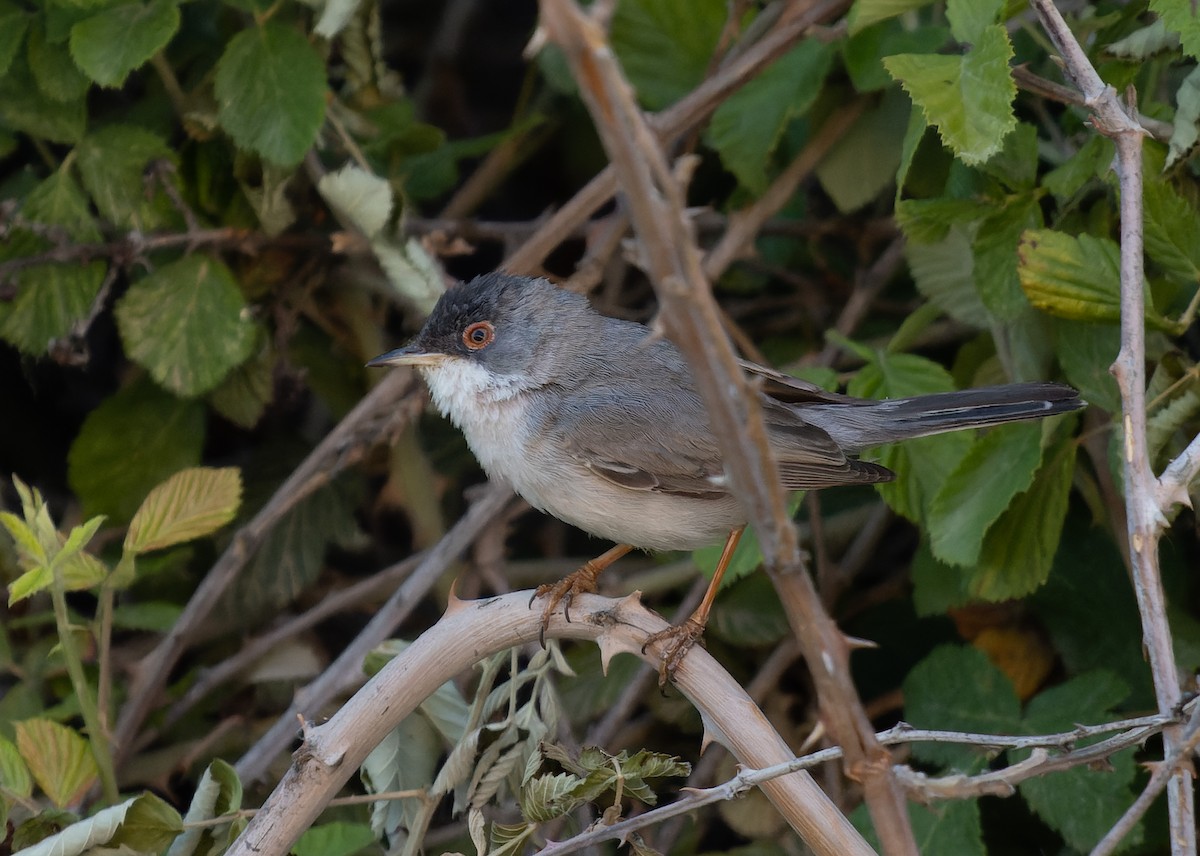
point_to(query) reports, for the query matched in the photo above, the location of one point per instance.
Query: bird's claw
(676, 641)
(582, 581)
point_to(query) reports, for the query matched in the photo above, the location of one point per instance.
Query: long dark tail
(867, 423)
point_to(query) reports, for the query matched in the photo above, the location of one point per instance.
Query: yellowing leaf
(190, 504)
(59, 759)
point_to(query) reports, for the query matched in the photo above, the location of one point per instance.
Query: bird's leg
(680, 638)
(582, 581)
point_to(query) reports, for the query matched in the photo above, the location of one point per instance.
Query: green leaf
(929, 221)
(1144, 43)
(112, 163)
(190, 504)
(1172, 230)
(549, 796)
(293, 554)
(1018, 551)
(242, 397)
(1180, 17)
(957, 688)
(363, 199)
(14, 774)
(1000, 465)
(56, 76)
(111, 44)
(36, 579)
(24, 108)
(944, 273)
(969, 18)
(129, 444)
(151, 617)
(748, 613)
(866, 12)
(14, 21)
(59, 760)
(921, 465)
(968, 98)
(53, 297)
(948, 827)
(270, 89)
(746, 129)
(1089, 163)
(862, 53)
(1186, 126)
(1077, 278)
(1083, 803)
(1085, 352)
(864, 161)
(187, 324)
(218, 793)
(339, 838)
(665, 46)
(143, 824)
(995, 266)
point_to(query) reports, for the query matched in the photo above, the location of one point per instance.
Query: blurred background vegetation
(213, 213)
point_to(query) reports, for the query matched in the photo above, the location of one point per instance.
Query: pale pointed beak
(409, 355)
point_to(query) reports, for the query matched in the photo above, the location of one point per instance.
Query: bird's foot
(582, 581)
(676, 641)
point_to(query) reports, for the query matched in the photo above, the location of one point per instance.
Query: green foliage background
(209, 215)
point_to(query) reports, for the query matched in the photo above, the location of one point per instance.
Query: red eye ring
(478, 335)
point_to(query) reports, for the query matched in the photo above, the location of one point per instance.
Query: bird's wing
(639, 442)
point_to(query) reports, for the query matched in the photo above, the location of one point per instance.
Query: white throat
(487, 408)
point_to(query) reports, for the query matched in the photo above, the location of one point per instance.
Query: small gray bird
(597, 421)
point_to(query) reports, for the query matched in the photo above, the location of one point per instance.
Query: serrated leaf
(53, 297)
(1000, 465)
(862, 53)
(746, 129)
(14, 774)
(1091, 161)
(291, 557)
(1018, 551)
(952, 826)
(944, 273)
(190, 504)
(921, 465)
(243, 396)
(360, 197)
(130, 443)
(56, 76)
(31, 582)
(1085, 352)
(1185, 130)
(956, 688)
(1081, 804)
(270, 89)
(187, 324)
(14, 21)
(24, 108)
(968, 98)
(1166, 420)
(665, 46)
(59, 760)
(969, 18)
(112, 163)
(996, 258)
(109, 45)
(507, 838)
(28, 543)
(1180, 17)
(1077, 278)
(866, 12)
(929, 221)
(404, 760)
(1172, 230)
(549, 796)
(864, 161)
(144, 823)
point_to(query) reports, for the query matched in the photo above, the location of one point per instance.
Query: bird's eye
(479, 335)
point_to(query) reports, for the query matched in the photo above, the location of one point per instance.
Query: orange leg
(579, 582)
(680, 638)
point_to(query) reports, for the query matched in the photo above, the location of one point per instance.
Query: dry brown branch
(1145, 513)
(333, 751)
(689, 315)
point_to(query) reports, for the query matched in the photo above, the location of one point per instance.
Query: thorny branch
(1146, 496)
(671, 257)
